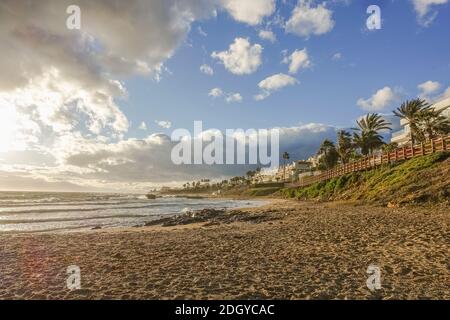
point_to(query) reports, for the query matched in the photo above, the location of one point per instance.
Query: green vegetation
(261, 192)
(328, 154)
(366, 139)
(366, 136)
(425, 122)
(419, 180)
(278, 185)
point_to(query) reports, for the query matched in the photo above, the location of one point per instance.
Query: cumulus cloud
(425, 12)
(140, 164)
(62, 82)
(250, 12)
(229, 97)
(215, 92)
(234, 97)
(379, 100)
(49, 107)
(38, 38)
(428, 88)
(267, 35)
(274, 83)
(307, 20)
(431, 91)
(59, 82)
(61, 88)
(299, 59)
(277, 82)
(164, 124)
(204, 68)
(241, 57)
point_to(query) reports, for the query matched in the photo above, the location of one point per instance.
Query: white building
(403, 136)
(293, 170)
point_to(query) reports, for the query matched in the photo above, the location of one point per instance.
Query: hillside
(423, 180)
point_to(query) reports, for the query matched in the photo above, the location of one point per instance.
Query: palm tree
(286, 157)
(433, 123)
(328, 155)
(345, 146)
(373, 122)
(367, 137)
(412, 111)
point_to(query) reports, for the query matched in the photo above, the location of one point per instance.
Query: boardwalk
(406, 152)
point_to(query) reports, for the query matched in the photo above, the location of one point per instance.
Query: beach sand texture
(298, 251)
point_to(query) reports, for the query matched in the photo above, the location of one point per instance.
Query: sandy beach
(284, 250)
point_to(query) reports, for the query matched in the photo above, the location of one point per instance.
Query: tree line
(365, 139)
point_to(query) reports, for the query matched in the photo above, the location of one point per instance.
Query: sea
(65, 211)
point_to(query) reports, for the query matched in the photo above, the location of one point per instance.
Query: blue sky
(74, 97)
(401, 55)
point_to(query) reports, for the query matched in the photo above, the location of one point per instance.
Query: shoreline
(300, 250)
(182, 206)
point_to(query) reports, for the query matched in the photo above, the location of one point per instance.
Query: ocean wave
(74, 209)
(24, 221)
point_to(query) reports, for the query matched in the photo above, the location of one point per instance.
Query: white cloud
(277, 82)
(431, 91)
(425, 14)
(140, 164)
(337, 56)
(164, 124)
(229, 97)
(267, 35)
(428, 88)
(307, 20)
(62, 83)
(241, 57)
(204, 68)
(379, 100)
(61, 88)
(299, 59)
(50, 107)
(142, 126)
(37, 38)
(234, 97)
(215, 93)
(250, 12)
(274, 83)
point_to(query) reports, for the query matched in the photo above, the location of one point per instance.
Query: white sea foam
(34, 211)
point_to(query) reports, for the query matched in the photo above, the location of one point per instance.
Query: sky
(92, 109)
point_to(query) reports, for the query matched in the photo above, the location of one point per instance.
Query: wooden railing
(406, 152)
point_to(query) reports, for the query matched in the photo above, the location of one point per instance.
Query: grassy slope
(420, 180)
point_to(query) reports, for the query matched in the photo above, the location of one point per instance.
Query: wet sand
(285, 250)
